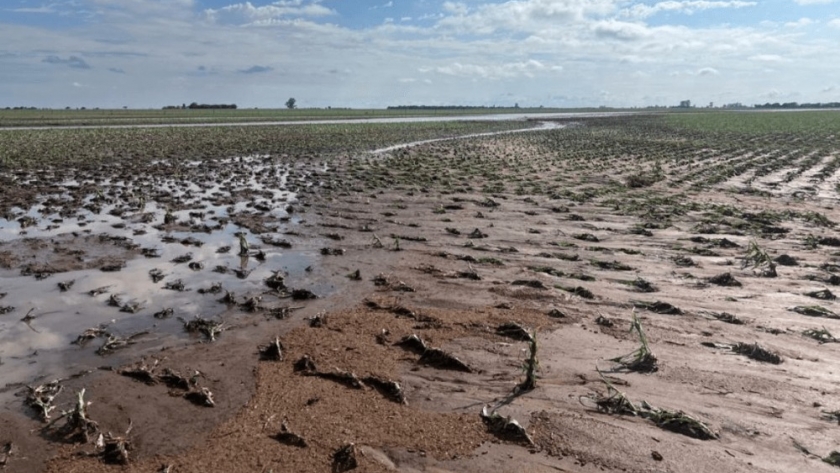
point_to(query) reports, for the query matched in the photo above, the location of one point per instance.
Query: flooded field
(641, 293)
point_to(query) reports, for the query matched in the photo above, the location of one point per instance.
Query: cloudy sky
(375, 53)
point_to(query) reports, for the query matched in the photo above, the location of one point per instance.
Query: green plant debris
(821, 335)
(642, 359)
(725, 279)
(815, 311)
(530, 366)
(757, 258)
(615, 402)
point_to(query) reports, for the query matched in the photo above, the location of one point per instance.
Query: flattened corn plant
(757, 258)
(616, 402)
(642, 359)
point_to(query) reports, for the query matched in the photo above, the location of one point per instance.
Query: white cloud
(494, 71)
(642, 10)
(621, 30)
(476, 52)
(800, 23)
(521, 15)
(767, 58)
(247, 12)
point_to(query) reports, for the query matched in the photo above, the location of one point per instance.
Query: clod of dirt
(586, 237)
(515, 331)
(229, 298)
(66, 285)
(556, 313)
(177, 285)
(823, 294)
(388, 388)
(725, 279)
(273, 351)
(183, 258)
(332, 251)
(437, 358)
(275, 242)
(642, 285)
(302, 294)
(115, 300)
(131, 307)
(150, 252)
(604, 321)
(757, 352)
(156, 275)
(477, 234)
(305, 364)
(505, 428)
(113, 267)
(200, 397)
(612, 265)
(287, 437)
(252, 304)
(196, 266)
(532, 283)
(214, 289)
(683, 261)
(472, 275)
(6, 453)
(786, 260)
(319, 320)
(344, 459)
(657, 307)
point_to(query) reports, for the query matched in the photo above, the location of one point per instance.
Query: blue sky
(349, 53)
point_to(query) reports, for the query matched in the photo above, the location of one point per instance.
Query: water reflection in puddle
(130, 213)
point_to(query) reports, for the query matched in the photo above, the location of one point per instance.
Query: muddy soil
(391, 254)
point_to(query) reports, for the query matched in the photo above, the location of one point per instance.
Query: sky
(378, 53)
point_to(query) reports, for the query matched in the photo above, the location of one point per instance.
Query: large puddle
(83, 256)
(184, 229)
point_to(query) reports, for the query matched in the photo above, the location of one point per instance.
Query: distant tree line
(445, 107)
(798, 105)
(201, 106)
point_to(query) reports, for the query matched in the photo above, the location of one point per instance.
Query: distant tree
(291, 103)
(685, 104)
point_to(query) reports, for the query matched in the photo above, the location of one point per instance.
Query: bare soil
(424, 270)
